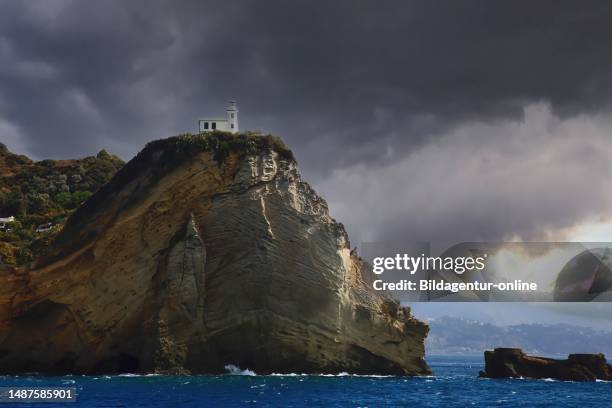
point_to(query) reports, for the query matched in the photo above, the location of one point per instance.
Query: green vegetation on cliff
(220, 143)
(41, 195)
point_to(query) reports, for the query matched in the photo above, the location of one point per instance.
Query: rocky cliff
(204, 251)
(513, 363)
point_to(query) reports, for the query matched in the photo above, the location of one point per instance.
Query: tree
(64, 200)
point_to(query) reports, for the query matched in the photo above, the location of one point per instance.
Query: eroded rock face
(513, 363)
(202, 265)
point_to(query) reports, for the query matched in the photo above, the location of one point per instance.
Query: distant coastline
(452, 336)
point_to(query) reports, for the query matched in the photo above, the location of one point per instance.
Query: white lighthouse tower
(227, 125)
(232, 117)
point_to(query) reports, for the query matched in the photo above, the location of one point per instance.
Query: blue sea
(455, 383)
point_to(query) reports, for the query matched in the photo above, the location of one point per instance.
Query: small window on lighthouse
(232, 116)
(214, 125)
(205, 125)
(232, 125)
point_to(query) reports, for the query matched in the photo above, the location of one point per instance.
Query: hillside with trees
(36, 198)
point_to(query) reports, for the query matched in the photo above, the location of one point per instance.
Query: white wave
(235, 370)
(342, 374)
(287, 375)
(139, 375)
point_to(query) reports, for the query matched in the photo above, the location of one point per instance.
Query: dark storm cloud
(346, 83)
(356, 75)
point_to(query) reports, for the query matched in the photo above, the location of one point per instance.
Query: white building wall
(226, 125)
(232, 117)
(219, 124)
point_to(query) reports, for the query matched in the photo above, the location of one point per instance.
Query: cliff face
(197, 255)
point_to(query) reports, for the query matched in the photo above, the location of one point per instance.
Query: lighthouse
(232, 117)
(226, 125)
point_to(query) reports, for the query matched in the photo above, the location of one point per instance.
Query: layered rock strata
(513, 363)
(204, 251)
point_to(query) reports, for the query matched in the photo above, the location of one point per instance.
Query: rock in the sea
(204, 251)
(513, 363)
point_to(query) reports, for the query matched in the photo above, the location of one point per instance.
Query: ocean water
(454, 383)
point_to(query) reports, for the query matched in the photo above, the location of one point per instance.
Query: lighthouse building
(229, 124)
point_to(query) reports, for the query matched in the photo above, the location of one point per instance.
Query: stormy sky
(473, 120)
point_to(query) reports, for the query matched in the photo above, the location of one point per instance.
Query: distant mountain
(450, 335)
(40, 196)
